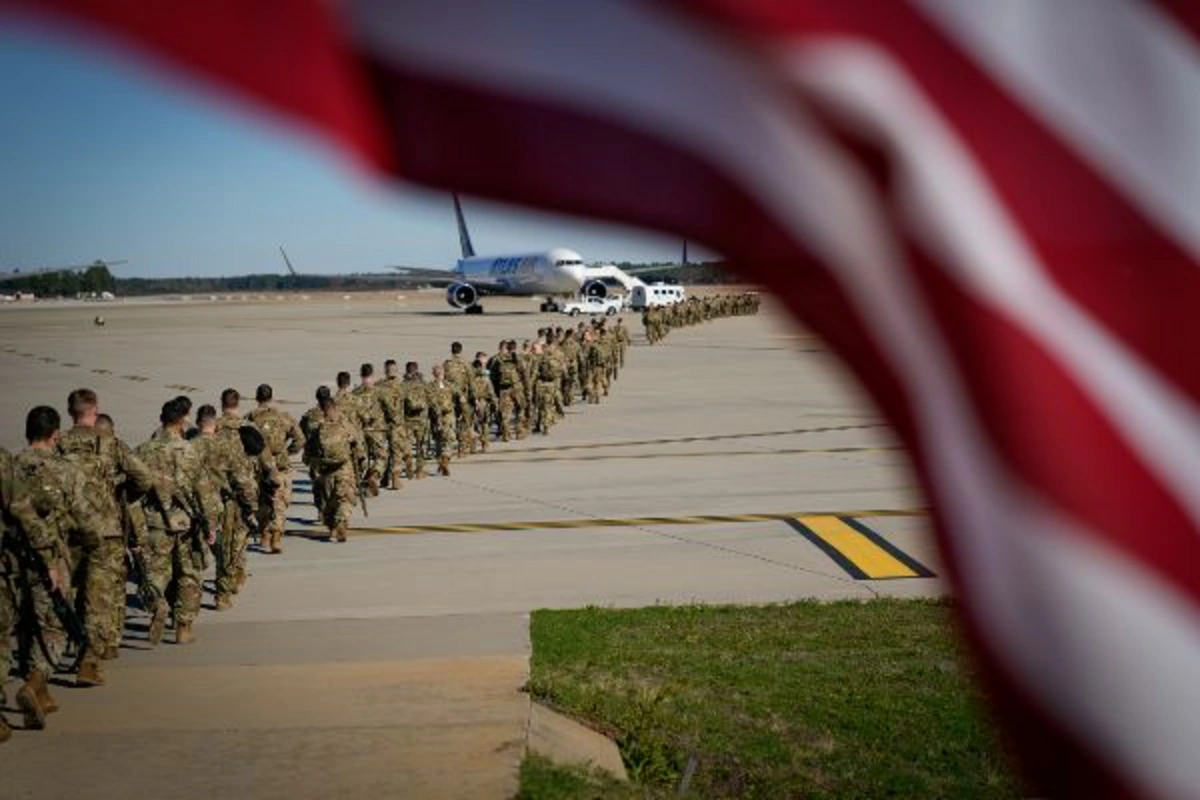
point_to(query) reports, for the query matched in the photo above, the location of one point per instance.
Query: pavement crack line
(677, 538)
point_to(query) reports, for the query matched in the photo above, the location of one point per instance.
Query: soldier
(311, 420)
(222, 459)
(237, 527)
(335, 451)
(441, 414)
(506, 378)
(392, 391)
(109, 468)
(178, 525)
(485, 401)
(372, 421)
(548, 376)
(49, 500)
(284, 439)
(416, 415)
(459, 374)
(623, 342)
(569, 347)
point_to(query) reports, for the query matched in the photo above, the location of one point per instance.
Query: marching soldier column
(84, 513)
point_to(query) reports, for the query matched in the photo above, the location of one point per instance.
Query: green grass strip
(813, 700)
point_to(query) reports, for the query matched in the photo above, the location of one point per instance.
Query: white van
(655, 294)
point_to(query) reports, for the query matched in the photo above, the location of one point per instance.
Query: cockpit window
(568, 262)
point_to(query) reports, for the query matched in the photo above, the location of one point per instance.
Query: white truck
(594, 305)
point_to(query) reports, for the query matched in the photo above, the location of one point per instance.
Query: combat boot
(394, 483)
(373, 485)
(111, 652)
(444, 465)
(409, 467)
(239, 581)
(223, 602)
(339, 533)
(276, 539)
(89, 670)
(183, 633)
(27, 700)
(420, 472)
(157, 623)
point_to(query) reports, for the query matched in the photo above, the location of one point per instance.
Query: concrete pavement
(392, 664)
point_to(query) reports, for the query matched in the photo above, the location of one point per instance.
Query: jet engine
(594, 288)
(461, 295)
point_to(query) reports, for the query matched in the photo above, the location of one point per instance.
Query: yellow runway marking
(862, 552)
(857, 549)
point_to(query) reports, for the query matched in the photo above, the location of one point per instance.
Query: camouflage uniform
(458, 374)
(284, 440)
(235, 526)
(372, 421)
(510, 391)
(443, 421)
(311, 420)
(173, 554)
(59, 494)
(222, 460)
(111, 470)
(569, 348)
(548, 371)
(484, 399)
(334, 450)
(416, 420)
(17, 508)
(392, 391)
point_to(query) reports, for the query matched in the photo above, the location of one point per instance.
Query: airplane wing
(436, 277)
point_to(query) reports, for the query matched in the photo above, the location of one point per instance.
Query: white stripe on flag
(1118, 79)
(963, 224)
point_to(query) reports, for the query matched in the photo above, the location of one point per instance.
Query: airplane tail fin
(287, 260)
(684, 261)
(464, 236)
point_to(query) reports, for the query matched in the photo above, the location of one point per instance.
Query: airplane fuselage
(548, 272)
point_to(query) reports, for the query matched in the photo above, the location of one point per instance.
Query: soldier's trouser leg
(280, 500)
(506, 413)
(377, 446)
(52, 635)
(157, 549)
(419, 429)
(318, 494)
(226, 568)
(400, 453)
(8, 623)
(104, 594)
(186, 577)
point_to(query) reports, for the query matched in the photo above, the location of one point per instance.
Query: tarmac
(733, 463)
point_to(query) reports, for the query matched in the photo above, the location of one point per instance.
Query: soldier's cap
(253, 442)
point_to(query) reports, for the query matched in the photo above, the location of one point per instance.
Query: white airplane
(554, 273)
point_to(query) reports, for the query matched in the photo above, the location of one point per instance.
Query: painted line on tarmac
(710, 438)
(863, 553)
(630, 522)
(515, 456)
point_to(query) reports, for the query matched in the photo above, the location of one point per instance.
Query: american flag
(990, 208)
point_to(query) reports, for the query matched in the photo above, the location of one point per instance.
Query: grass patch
(541, 779)
(814, 700)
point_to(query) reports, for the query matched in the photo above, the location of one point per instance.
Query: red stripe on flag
(288, 54)
(1094, 242)
(1185, 13)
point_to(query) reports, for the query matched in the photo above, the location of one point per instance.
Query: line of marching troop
(381, 433)
(84, 513)
(661, 320)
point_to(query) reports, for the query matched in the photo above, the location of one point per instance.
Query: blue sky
(99, 159)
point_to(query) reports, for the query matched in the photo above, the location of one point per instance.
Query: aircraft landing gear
(475, 309)
(549, 305)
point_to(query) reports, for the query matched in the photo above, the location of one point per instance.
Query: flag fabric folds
(989, 209)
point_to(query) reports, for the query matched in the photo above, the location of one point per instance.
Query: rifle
(31, 563)
(135, 562)
(359, 485)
